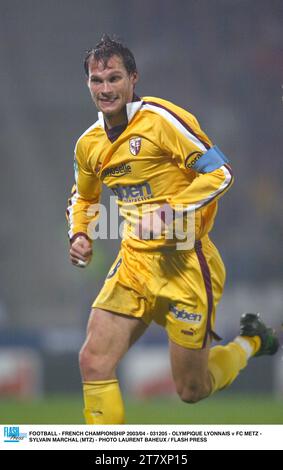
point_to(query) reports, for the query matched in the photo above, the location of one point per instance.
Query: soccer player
(161, 166)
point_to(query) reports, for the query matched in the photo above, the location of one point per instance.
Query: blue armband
(210, 161)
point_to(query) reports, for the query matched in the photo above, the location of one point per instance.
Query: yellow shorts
(179, 290)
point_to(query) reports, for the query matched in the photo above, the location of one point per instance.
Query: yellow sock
(250, 344)
(226, 362)
(103, 402)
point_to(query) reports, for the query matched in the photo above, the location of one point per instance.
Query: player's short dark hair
(106, 48)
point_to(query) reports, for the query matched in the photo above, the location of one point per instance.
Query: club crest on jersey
(135, 145)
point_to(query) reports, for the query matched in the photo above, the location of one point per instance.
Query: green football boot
(251, 324)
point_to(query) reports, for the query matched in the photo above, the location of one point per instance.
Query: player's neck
(121, 118)
(118, 120)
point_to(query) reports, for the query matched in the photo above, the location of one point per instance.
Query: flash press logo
(13, 434)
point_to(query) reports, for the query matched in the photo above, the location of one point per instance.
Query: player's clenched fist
(81, 252)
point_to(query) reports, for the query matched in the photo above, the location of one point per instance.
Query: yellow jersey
(160, 156)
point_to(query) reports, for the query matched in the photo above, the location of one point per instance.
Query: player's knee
(192, 392)
(84, 359)
(94, 366)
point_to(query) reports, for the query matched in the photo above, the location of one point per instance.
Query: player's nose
(106, 88)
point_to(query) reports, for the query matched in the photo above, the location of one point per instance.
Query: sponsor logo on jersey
(192, 159)
(117, 171)
(133, 192)
(183, 315)
(135, 145)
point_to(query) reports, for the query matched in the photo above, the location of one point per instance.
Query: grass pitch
(225, 409)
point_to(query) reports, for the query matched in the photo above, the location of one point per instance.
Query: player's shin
(224, 365)
(226, 362)
(103, 402)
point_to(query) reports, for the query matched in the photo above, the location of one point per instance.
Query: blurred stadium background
(221, 59)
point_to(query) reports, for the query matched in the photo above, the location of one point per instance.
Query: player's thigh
(110, 335)
(190, 370)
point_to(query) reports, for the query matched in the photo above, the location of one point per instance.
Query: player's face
(111, 87)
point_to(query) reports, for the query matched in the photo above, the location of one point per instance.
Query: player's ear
(134, 78)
